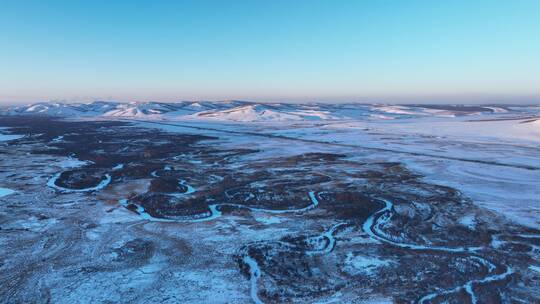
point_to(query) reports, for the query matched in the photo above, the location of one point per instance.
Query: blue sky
(392, 51)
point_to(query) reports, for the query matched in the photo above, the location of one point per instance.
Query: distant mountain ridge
(245, 111)
(112, 108)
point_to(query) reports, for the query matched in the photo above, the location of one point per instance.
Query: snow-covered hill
(260, 112)
(138, 109)
(117, 109)
(243, 111)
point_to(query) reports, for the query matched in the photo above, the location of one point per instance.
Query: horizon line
(247, 101)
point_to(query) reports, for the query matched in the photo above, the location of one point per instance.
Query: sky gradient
(365, 51)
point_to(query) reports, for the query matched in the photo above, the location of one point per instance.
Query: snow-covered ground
(491, 153)
(302, 203)
(501, 175)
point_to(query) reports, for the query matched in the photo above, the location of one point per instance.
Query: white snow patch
(8, 137)
(364, 264)
(5, 137)
(5, 192)
(468, 221)
(268, 220)
(71, 162)
(535, 268)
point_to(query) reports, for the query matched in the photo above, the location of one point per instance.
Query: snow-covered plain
(239, 252)
(491, 153)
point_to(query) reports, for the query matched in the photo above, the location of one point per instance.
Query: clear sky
(333, 50)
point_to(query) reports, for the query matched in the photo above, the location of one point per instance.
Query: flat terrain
(123, 211)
